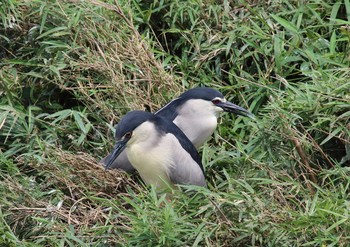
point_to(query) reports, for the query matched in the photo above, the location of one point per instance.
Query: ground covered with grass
(70, 69)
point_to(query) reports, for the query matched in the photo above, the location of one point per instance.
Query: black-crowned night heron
(195, 112)
(158, 150)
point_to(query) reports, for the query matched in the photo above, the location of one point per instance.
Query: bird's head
(209, 99)
(127, 132)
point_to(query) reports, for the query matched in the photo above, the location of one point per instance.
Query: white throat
(197, 118)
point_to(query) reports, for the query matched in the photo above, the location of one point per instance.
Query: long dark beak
(118, 148)
(230, 107)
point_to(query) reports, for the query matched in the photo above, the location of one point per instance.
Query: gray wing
(185, 172)
(121, 162)
(186, 169)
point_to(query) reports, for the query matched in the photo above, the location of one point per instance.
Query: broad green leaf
(79, 121)
(52, 31)
(333, 43)
(331, 135)
(60, 115)
(286, 24)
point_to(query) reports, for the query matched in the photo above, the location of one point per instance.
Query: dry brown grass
(133, 78)
(82, 181)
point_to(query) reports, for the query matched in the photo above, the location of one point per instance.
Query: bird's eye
(128, 135)
(216, 101)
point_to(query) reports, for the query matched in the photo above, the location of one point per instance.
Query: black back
(167, 126)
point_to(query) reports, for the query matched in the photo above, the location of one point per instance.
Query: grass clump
(69, 70)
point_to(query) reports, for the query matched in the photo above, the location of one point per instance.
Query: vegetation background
(70, 69)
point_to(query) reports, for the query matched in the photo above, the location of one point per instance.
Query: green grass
(69, 70)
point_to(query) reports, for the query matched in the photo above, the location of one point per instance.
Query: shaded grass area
(70, 70)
